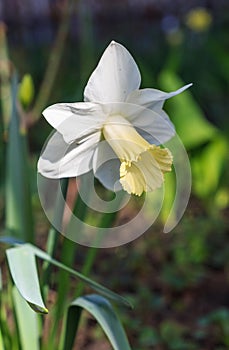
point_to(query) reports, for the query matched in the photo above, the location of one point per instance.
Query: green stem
(107, 220)
(54, 235)
(53, 65)
(67, 258)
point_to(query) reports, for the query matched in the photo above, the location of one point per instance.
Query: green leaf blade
(103, 312)
(94, 285)
(27, 322)
(18, 197)
(23, 270)
(190, 122)
(1, 341)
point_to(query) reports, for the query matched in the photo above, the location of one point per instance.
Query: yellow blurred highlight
(26, 90)
(199, 19)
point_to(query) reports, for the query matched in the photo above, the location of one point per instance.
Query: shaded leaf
(23, 269)
(94, 285)
(10, 240)
(208, 166)
(103, 312)
(18, 198)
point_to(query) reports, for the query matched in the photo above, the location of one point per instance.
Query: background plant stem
(53, 236)
(53, 64)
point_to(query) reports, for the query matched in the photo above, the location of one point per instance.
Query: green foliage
(103, 312)
(24, 273)
(1, 341)
(208, 168)
(149, 337)
(219, 320)
(173, 335)
(187, 116)
(26, 319)
(207, 146)
(170, 335)
(18, 197)
(198, 242)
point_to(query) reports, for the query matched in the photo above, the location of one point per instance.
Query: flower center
(142, 164)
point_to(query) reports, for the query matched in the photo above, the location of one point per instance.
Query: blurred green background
(179, 281)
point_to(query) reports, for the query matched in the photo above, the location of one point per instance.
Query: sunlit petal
(153, 98)
(60, 160)
(157, 125)
(115, 77)
(75, 120)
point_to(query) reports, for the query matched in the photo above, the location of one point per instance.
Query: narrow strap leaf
(23, 269)
(1, 341)
(27, 322)
(17, 189)
(10, 240)
(103, 312)
(94, 285)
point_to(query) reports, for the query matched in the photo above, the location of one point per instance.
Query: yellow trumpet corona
(142, 165)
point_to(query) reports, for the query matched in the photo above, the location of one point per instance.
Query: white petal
(60, 160)
(75, 120)
(159, 128)
(106, 167)
(152, 98)
(115, 77)
(149, 137)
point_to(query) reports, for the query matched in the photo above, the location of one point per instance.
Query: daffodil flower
(116, 132)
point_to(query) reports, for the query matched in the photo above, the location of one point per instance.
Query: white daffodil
(116, 132)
